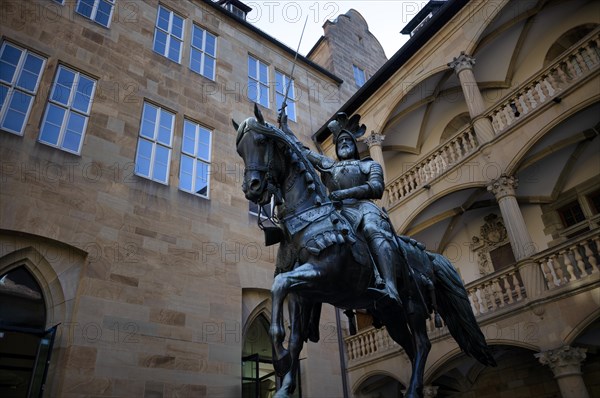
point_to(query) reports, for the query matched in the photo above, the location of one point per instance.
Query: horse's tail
(455, 308)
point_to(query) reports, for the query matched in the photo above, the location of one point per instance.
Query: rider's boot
(383, 255)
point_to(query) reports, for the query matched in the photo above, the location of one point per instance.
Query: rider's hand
(337, 195)
(282, 118)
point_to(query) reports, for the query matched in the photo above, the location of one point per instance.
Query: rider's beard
(345, 152)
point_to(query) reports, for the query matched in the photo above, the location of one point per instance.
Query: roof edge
(274, 41)
(420, 38)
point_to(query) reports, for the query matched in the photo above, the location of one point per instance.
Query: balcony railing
(495, 291)
(435, 164)
(571, 261)
(582, 58)
(564, 267)
(578, 62)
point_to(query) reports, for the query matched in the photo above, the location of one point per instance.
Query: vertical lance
(287, 89)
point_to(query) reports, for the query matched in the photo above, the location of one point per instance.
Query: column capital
(463, 61)
(503, 186)
(563, 361)
(430, 391)
(373, 139)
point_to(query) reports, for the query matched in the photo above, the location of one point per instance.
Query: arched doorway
(25, 345)
(518, 374)
(258, 376)
(379, 386)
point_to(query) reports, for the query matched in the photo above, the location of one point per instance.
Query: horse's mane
(296, 150)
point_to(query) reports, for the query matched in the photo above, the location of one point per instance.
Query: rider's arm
(319, 161)
(373, 189)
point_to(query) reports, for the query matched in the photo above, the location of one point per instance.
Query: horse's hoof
(283, 365)
(281, 394)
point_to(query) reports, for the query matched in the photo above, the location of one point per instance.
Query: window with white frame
(203, 53)
(168, 34)
(194, 169)
(258, 81)
(282, 81)
(238, 12)
(359, 76)
(99, 11)
(153, 155)
(266, 212)
(68, 110)
(20, 75)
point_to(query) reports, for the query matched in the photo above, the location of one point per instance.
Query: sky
(284, 20)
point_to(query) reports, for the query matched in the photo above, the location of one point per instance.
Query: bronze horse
(322, 260)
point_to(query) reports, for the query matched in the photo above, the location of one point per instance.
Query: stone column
(430, 391)
(504, 190)
(374, 142)
(565, 363)
(518, 235)
(463, 67)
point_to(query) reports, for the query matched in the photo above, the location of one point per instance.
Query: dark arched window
(565, 41)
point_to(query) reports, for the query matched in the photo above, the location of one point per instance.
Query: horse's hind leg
(396, 325)
(422, 348)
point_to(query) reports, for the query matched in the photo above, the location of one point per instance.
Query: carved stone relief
(492, 235)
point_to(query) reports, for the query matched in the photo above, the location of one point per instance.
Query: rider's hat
(342, 125)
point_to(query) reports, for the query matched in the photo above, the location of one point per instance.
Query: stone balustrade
(582, 58)
(496, 291)
(571, 261)
(433, 165)
(369, 343)
(580, 61)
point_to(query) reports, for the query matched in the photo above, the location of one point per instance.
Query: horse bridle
(269, 178)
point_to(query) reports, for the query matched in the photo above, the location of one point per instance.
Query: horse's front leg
(295, 308)
(283, 284)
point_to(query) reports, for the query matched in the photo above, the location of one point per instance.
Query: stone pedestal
(565, 363)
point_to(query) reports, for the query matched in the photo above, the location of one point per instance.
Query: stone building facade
(487, 124)
(127, 250)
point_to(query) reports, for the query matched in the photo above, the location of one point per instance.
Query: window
(194, 169)
(238, 12)
(68, 110)
(281, 85)
(267, 210)
(571, 214)
(594, 200)
(20, 73)
(99, 11)
(204, 52)
(258, 82)
(359, 76)
(168, 34)
(153, 154)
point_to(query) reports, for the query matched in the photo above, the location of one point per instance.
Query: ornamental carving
(504, 186)
(373, 139)
(563, 361)
(492, 235)
(463, 61)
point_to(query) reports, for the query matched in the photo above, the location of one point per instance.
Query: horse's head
(258, 152)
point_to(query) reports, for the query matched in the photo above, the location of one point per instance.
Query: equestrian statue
(339, 247)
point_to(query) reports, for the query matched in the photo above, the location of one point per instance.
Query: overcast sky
(284, 19)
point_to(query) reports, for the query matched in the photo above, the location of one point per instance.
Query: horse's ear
(235, 125)
(258, 114)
